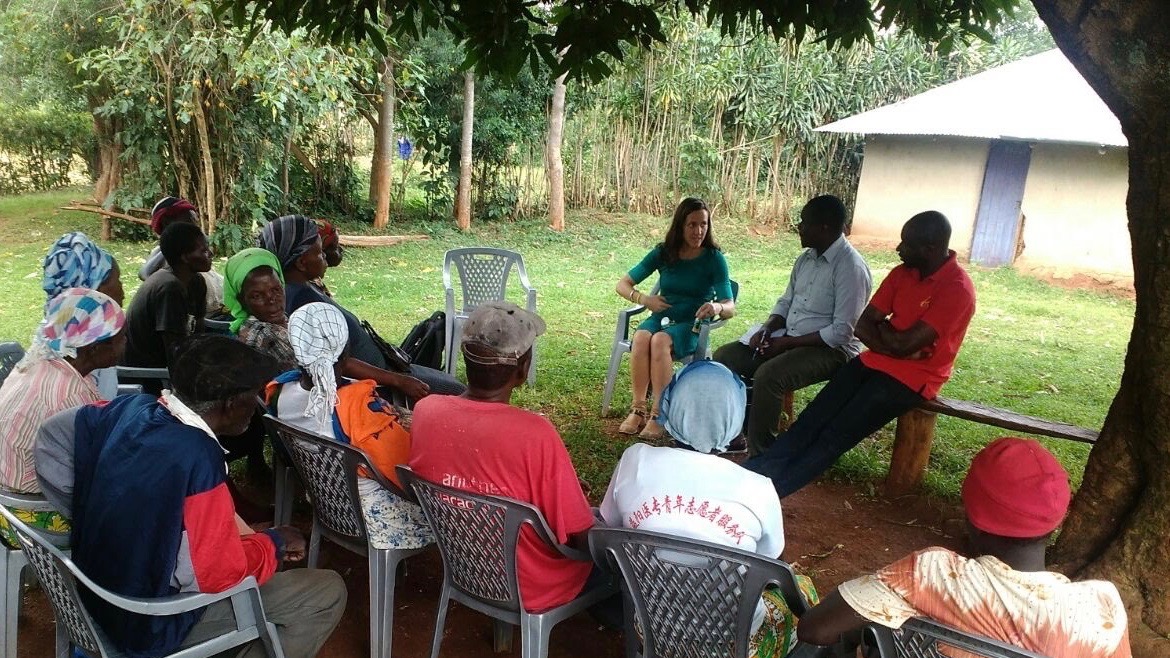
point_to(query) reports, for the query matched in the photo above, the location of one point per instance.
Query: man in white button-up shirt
(810, 331)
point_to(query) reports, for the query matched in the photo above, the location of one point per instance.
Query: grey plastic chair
(622, 337)
(10, 354)
(690, 598)
(62, 581)
(921, 637)
(483, 276)
(13, 563)
(148, 379)
(477, 537)
(329, 471)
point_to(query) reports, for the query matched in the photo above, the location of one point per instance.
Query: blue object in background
(405, 148)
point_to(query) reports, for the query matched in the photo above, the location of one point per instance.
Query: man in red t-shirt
(479, 442)
(913, 328)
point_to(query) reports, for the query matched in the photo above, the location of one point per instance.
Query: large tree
(1120, 519)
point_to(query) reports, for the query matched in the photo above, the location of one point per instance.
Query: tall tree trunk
(383, 148)
(463, 193)
(553, 164)
(207, 202)
(109, 161)
(1120, 518)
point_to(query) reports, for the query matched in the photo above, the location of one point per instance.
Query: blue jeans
(855, 403)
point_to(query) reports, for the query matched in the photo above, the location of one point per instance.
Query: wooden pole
(912, 441)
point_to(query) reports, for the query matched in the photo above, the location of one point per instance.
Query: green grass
(1032, 347)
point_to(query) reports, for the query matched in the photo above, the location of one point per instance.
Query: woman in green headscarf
(253, 291)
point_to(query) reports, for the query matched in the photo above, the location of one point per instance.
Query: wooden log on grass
(376, 240)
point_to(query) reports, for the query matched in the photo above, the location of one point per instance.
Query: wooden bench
(914, 435)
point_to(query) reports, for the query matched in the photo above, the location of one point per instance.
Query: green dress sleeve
(649, 265)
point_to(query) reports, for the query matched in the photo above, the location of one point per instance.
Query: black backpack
(426, 341)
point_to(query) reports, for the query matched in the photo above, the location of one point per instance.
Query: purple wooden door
(997, 223)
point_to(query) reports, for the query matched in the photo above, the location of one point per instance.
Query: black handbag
(396, 359)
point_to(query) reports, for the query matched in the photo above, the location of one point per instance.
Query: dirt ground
(833, 533)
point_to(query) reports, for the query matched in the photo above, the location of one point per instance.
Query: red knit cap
(1016, 488)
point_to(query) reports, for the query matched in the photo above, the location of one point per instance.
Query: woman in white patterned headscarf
(319, 400)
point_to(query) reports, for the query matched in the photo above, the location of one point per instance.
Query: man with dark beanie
(145, 484)
(1015, 495)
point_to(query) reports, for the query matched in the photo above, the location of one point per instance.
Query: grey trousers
(305, 604)
(787, 371)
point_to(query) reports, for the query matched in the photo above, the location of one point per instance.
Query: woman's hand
(656, 303)
(709, 310)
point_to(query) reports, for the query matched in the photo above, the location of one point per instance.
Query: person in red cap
(1015, 495)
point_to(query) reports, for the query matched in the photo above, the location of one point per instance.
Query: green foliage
(201, 116)
(698, 168)
(759, 102)
(584, 37)
(38, 145)
(509, 124)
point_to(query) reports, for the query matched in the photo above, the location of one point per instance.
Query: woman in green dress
(694, 286)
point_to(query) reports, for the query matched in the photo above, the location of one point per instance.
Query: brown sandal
(653, 430)
(633, 422)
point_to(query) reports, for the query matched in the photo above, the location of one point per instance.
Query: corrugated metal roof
(1038, 98)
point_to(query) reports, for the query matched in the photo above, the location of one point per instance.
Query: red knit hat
(1016, 488)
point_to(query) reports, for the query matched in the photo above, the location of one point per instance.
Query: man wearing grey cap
(480, 442)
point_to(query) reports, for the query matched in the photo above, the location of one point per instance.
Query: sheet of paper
(746, 339)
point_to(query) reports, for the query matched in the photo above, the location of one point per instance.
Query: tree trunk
(383, 148)
(207, 204)
(553, 163)
(1120, 517)
(109, 161)
(463, 194)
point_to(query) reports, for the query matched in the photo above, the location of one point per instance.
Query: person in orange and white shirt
(1015, 495)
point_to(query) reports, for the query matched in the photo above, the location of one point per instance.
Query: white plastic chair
(622, 344)
(477, 536)
(483, 276)
(62, 581)
(13, 563)
(328, 470)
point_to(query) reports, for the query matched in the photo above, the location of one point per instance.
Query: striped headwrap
(74, 261)
(288, 237)
(168, 207)
(74, 319)
(318, 334)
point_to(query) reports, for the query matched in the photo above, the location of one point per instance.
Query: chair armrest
(129, 389)
(624, 317)
(449, 298)
(135, 372)
(31, 502)
(162, 606)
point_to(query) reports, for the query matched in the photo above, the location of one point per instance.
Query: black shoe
(738, 444)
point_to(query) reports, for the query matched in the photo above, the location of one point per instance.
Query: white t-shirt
(704, 497)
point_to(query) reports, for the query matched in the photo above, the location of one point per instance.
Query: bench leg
(912, 441)
(788, 415)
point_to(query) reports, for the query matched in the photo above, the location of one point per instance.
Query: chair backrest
(483, 273)
(691, 598)
(53, 571)
(10, 354)
(477, 536)
(329, 471)
(922, 638)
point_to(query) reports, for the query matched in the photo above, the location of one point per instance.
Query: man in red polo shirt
(913, 328)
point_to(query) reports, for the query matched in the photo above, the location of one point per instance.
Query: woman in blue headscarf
(75, 261)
